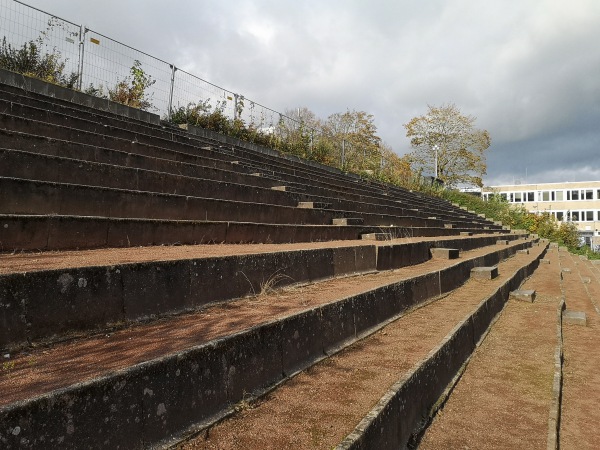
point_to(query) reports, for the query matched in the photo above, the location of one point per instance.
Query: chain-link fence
(96, 64)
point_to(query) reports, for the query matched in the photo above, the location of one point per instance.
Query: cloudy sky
(529, 70)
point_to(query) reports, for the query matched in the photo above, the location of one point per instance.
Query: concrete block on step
(574, 317)
(544, 261)
(376, 236)
(502, 242)
(445, 253)
(523, 295)
(466, 233)
(523, 251)
(484, 273)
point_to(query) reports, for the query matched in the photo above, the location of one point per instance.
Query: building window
(546, 196)
(559, 196)
(503, 196)
(589, 216)
(530, 197)
(573, 195)
(575, 216)
(589, 194)
(559, 215)
(518, 198)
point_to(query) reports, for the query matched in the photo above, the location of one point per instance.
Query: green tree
(355, 135)
(460, 147)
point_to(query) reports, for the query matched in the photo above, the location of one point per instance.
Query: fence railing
(100, 62)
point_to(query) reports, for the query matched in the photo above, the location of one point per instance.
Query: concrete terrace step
(44, 114)
(149, 129)
(32, 166)
(59, 232)
(26, 197)
(165, 382)
(129, 159)
(41, 167)
(55, 232)
(403, 369)
(71, 309)
(524, 358)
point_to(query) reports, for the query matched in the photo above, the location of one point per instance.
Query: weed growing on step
(133, 90)
(8, 367)
(269, 286)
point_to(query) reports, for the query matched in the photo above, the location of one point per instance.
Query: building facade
(577, 202)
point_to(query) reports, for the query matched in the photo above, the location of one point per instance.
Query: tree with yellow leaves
(447, 145)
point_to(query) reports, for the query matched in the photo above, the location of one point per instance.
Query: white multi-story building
(578, 202)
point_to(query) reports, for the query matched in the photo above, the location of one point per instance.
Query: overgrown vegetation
(133, 90)
(31, 60)
(517, 217)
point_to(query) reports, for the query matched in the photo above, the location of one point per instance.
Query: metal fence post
(235, 106)
(343, 153)
(82, 31)
(170, 107)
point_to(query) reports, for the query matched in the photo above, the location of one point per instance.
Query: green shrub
(31, 61)
(132, 91)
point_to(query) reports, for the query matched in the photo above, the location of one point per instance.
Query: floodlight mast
(435, 147)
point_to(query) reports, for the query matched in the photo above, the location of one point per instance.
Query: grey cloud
(527, 70)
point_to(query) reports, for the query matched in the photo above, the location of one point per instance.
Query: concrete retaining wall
(52, 90)
(39, 305)
(152, 401)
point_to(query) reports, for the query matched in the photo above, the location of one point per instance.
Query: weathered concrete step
(355, 378)
(45, 198)
(60, 232)
(32, 166)
(148, 162)
(348, 221)
(63, 232)
(250, 361)
(65, 310)
(168, 132)
(133, 155)
(314, 205)
(527, 359)
(152, 146)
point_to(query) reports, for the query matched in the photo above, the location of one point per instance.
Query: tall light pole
(435, 147)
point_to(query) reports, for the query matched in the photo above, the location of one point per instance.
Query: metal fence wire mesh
(98, 63)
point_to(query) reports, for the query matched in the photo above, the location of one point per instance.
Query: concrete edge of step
(555, 407)
(110, 402)
(394, 422)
